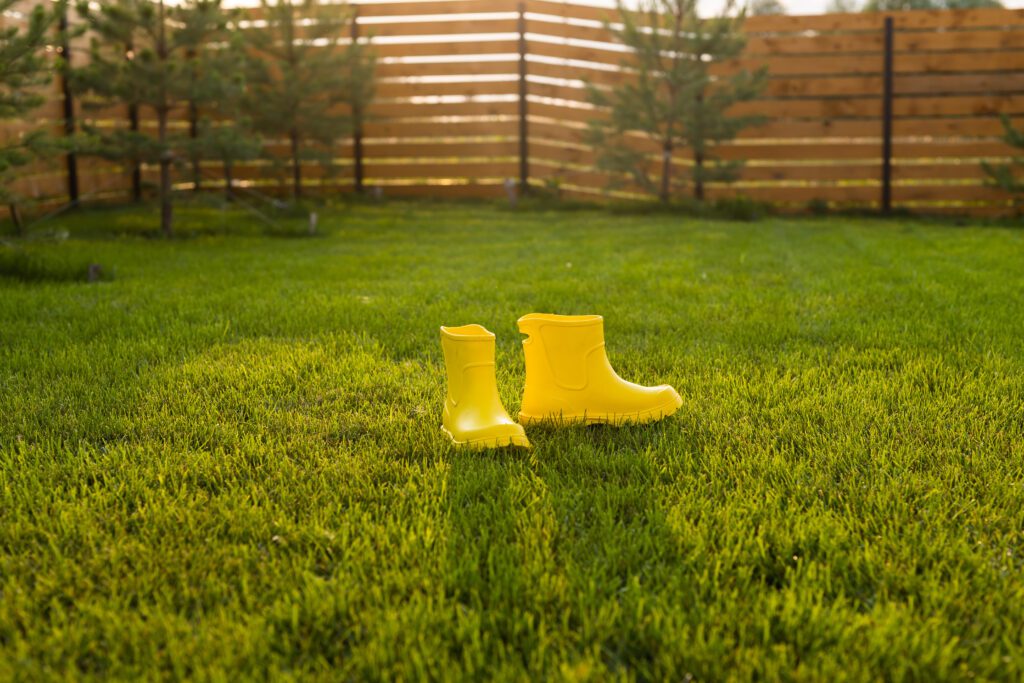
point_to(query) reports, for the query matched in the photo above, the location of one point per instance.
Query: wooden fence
(472, 93)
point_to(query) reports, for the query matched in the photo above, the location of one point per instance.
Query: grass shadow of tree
(553, 553)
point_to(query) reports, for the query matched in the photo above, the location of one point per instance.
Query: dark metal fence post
(524, 147)
(69, 106)
(357, 124)
(887, 120)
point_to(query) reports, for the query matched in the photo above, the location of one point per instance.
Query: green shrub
(738, 209)
(817, 207)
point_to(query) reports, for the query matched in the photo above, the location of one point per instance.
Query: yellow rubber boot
(473, 414)
(568, 376)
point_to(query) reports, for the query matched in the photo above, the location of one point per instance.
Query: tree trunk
(296, 167)
(19, 225)
(666, 173)
(133, 125)
(193, 133)
(166, 215)
(698, 176)
(698, 152)
(293, 134)
(228, 180)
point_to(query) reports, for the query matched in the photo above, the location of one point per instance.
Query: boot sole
(614, 419)
(489, 441)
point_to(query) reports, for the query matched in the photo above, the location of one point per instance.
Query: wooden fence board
(820, 86)
(436, 110)
(938, 171)
(560, 29)
(914, 117)
(485, 169)
(828, 43)
(405, 90)
(576, 52)
(405, 9)
(982, 84)
(976, 105)
(803, 174)
(441, 28)
(959, 40)
(446, 48)
(453, 150)
(946, 193)
(833, 193)
(571, 11)
(907, 20)
(436, 129)
(474, 68)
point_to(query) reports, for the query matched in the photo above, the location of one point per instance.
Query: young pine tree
(219, 129)
(204, 34)
(24, 72)
(142, 54)
(228, 142)
(308, 83)
(673, 99)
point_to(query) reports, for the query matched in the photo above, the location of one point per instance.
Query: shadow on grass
(569, 536)
(53, 266)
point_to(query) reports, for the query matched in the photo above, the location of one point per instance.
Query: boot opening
(554, 319)
(467, 332)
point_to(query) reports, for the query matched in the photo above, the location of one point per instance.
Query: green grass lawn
(226, 462)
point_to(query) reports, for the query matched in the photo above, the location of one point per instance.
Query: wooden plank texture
(404, 90)
(405, 9)
(956, 73)
(440, 28)
(441, 129)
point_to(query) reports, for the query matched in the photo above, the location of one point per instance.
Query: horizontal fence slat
(474, 68)
(404, 90)
(571, 11)
(783, 129)
(436, 110)
(945, 193)
(450, 170)
(453, 150)
(441, 28)
(405, 9)
(956, 83)
(446, 48)
(440, 129)
(906, 20)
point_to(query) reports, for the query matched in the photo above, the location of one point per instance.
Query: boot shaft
(469, 361)
(562, 350)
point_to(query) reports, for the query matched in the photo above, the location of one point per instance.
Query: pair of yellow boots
(568, 378)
